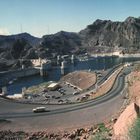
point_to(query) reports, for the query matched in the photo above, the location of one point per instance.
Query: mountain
(62, 42)
(17, 46)
(7, 41)
(14, 47)
(105, 35)
(100, 37)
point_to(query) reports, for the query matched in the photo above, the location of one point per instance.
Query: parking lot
(57, 96)
(61, 95)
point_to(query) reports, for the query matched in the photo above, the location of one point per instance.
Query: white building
(53, 86)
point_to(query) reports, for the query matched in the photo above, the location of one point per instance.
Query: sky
(41, 17)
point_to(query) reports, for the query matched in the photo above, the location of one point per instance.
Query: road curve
(70, 116)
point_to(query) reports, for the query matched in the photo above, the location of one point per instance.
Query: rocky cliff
(109, 35)
(62, 42)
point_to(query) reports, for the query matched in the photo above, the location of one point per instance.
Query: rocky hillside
(7, 41)
(101, 36)
(62, 43)
(17, 46)
(14, 47)
(106, 35)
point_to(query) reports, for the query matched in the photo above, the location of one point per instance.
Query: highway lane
(72, 119)
(79, 114)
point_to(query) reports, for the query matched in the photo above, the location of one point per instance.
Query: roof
(15, 96)
(52, 85)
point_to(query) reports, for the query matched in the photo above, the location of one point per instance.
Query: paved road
(63, 116)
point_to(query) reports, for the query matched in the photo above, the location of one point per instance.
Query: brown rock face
(125, 121)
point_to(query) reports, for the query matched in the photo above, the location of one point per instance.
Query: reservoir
(99, 63)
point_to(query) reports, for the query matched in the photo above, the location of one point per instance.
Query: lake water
(99, 63)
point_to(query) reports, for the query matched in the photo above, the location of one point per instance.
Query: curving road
(64, 116)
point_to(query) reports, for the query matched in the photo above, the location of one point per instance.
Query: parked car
(75, 93)
(57, 97)
(45, 90)
(62, 93)
(60, 101)
(47, 96)
(53, 96)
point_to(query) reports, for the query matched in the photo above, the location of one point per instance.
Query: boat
(10, 82)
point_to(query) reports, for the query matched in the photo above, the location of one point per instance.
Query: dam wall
(7, 76)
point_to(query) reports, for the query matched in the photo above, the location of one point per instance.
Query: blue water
(55, 74)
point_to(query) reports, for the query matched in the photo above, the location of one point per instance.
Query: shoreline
(116, 55)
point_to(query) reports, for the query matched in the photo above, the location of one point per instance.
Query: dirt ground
(134, 85)
(80, 79)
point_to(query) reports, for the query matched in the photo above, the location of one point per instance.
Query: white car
(39, 109)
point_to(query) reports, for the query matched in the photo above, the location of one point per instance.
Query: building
(39, 62)
(15, 96)
(53, 86)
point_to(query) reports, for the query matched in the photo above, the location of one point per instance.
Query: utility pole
(21, 30)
